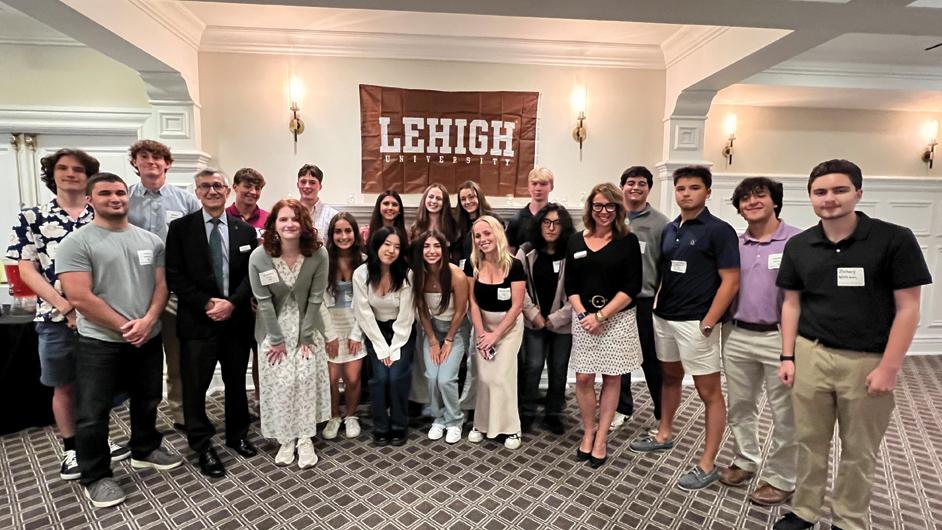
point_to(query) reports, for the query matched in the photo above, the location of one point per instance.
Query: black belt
(758, 328)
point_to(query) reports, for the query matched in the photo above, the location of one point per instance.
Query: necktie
(215, 252)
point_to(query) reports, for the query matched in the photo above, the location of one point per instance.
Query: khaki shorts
(682, 341)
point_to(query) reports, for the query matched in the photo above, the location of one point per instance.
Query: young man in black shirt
(852, 291)
(539, 185)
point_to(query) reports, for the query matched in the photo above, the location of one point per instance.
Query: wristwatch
(783, 358)
(581, 315)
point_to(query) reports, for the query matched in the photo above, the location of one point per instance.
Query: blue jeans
(389, 385)
(541, 346)
(443, 379)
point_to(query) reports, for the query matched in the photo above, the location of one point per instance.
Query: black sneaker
(792, 522)
(118, 451)
(70, 469)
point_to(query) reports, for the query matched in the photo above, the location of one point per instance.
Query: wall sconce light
(296, 125)
(729, 129)
(579, 133)
(931, 132)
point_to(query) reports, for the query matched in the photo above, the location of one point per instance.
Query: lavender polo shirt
(759, 301)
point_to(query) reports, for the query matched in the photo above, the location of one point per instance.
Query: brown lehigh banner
(412, 138)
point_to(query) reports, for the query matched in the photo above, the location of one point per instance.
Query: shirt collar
(778, 235)
(704, 216)
(207, 217)
(55, 208)
(233, 210)
(641, 213)
(861, 232)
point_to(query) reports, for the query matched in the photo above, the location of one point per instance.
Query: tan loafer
(768, 495)
(735, 476)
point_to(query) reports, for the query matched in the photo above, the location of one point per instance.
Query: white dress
(295, 393)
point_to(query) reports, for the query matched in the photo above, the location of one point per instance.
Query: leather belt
(758, 328)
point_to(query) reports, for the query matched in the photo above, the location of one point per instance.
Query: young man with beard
(153, 204)
(752, 345)
(852, 293)
(113, 273)
(310, 184)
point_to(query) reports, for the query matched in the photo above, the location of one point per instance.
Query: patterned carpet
(432, 485)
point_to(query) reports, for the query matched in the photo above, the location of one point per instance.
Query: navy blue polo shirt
(691, 256)
(846, 288)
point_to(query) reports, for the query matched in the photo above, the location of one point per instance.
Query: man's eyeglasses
(215, 186)
(609, 207)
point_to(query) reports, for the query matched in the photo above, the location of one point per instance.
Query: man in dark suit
(207, 267)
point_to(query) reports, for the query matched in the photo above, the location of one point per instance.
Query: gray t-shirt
(122, 264)
(648, 225)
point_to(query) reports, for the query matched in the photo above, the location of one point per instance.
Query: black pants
(541, 346)
(650, 365)
(198, 359)
(390, 385)
(101, 368)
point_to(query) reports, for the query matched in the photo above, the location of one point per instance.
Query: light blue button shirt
(153, 210)
(224, 232)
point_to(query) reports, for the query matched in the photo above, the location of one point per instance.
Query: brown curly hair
(48, 165)
(151, 146)
(272, 241)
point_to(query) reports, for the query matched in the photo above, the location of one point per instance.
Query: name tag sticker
(173, 215)
(643, 245)
(461, 263)
(347, 296)
(145, 257)
(775, 261)
(678, 266)
(556, 265)
(245, 248)
(850, 277)
(268, 277)
(579, 255)
(259, 232)
(503, 293)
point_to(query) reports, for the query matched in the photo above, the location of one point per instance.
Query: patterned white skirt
(615, 351)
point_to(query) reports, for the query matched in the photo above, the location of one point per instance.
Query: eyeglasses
(551, 223)
(215, 186)
(609, 207)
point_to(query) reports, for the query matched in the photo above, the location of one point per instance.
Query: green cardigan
(308, 292)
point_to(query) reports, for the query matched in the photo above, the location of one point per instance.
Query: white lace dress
(295, 393)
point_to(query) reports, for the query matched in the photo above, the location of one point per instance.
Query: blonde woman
(603, 277)
(498, 287)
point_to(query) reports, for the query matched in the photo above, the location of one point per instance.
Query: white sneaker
(618, 421)
(351, 426)
(285, 455)
(513, 441)
(453, 435)
(331, 429)
(475, 436)
(307, 457)
(436, 432)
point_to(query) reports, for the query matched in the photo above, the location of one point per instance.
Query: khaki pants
(168, 322)
(750, 359)
(830, 385)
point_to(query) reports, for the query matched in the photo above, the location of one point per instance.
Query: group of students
(128, 274)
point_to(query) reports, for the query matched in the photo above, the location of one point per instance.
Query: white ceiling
(845, 98)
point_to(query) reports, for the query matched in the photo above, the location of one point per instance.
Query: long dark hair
(421, 271)
(272, 241)
(398, 270)
(566, 228)
(333, 253)
(376, 220)
(462, 218)
(447, 223)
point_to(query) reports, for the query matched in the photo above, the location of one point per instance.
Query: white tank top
(432, 300)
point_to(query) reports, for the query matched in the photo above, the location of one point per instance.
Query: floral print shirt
(36, 237)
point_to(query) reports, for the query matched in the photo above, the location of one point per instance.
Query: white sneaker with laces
(118, 451)
(69, 469)
(513, 441)
(618, 421)
(331, 429)
(453, 435)
(307, 457)
(285, 455)
(351, 426)
(475, 436)
(436, 432)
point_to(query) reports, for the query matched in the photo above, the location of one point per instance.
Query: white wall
(245, 116)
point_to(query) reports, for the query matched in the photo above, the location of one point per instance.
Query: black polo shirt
(518, 230)
(847, 287)
(691, 257)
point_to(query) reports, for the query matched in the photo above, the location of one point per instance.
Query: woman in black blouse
(603, 276)
(498, 285)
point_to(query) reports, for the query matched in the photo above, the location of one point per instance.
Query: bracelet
(783, 358)
(600, 316)
(448, 340)
(69, 312)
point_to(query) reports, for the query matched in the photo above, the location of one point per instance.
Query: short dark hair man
(699, 279)
(852, 292)
(752, 345)
(647, 223)
(310, 184)
(247, 183)
(113, 273)
(207, 267)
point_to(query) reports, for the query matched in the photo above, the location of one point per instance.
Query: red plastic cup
(16, 281)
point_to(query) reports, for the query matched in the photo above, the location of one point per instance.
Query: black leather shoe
(381, 439)
(582, 457)
(397, 438)
(597, 462)
(243, 447)
(210, 464)
(554, 425)
(792, 522)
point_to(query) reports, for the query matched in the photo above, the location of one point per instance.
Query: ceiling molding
(228, 39)
(19, 29)
(844, 75)
(687, 40)
(175, 18)
(62, 120)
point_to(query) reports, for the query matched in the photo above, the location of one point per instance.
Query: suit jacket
(190, 276)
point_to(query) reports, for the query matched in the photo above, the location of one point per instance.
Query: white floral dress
(295, 393)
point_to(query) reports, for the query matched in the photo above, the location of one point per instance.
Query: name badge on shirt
(245, 248)
(643, 245)
(145, 257)
(556, 265)
(850, 277)
(259, 232)
(579, 255)
(775, 261)
(173, 214)
(461, 263)
(503, 293)
(347, 296)
(268, 277)
(678, 266)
